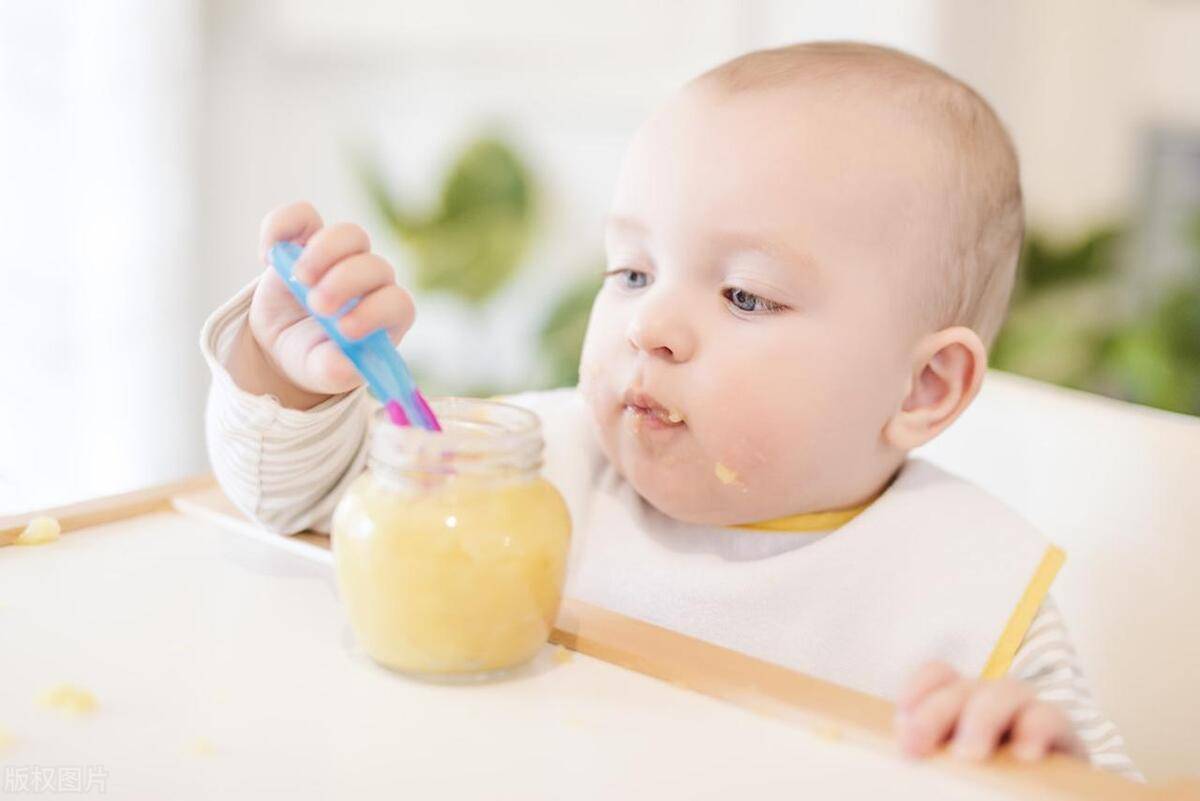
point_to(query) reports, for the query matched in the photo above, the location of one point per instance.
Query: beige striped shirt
(287, 469)
(1047, 660)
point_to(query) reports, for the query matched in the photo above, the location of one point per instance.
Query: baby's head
(810, 250)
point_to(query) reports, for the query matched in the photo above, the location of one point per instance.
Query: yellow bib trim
(1022, 617)
(817, 521)
(812, 521)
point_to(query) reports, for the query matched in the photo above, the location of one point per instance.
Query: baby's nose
(661, 328)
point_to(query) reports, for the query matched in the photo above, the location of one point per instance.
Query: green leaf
(1057, 334)
(1138, 366)
(561, 335)
(1179, 318)
(487, 174)
(474, 241)
(1044, 265)
(471, 255)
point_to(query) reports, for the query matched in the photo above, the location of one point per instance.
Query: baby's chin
(672, 472)
(686, 491)
(705, 506)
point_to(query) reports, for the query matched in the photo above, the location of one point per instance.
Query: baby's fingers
(332, 372)
(989, 714)
(389, 307)
(348, 279)
(1042, 728)
(924, 680)
(926, 725)
(326, 248)
(295, 222)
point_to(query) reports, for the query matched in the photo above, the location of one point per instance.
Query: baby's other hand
(337, 265)
(937, 704)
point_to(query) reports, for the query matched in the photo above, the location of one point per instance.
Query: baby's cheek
(745, 446)
(770, 440)
(589, 373)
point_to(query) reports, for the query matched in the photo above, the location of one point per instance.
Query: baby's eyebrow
(731, 241)
(621, 223)
(772, 248)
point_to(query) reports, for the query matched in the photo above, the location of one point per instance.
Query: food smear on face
(562, 655)
(40, 531)
(725, 475)
(673, 416)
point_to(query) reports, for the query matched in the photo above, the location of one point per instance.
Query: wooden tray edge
(830, 710)
(107, 509)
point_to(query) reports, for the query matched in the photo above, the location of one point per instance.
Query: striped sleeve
(284, 468)
(1047, 660)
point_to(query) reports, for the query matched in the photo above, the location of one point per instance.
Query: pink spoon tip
(396, 412)
(434, 425)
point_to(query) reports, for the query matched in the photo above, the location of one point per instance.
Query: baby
(809, 252)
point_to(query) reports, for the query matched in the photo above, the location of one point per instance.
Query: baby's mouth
(648, 411)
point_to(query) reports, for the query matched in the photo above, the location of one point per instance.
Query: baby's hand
(936, 703)
(337, 265)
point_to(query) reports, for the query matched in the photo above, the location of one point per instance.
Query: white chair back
(1117, 486)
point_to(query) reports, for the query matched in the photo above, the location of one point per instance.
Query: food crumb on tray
(71, 700)
(39, 531)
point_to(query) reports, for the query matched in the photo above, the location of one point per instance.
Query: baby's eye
(630, 279)
(748, 301)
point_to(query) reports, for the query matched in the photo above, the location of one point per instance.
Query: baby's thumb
(294, 222)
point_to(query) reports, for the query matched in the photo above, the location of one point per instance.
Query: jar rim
(476, 433)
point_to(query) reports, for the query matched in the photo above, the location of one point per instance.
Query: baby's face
(755, 332)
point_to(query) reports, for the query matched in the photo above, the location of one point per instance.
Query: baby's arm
(287, 418)
(282, 467)
(1047, 661)
(1041, 705)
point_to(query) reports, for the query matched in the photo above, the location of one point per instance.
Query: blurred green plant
(1072, 323)
(560, 338)
(472, 243)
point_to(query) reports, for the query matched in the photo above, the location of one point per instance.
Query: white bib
(934, 569)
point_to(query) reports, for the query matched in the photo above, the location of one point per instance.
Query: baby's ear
(947, 371)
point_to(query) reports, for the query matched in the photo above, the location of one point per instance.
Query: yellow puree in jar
(462, 575)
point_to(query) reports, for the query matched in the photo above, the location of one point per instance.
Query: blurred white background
(143, 141)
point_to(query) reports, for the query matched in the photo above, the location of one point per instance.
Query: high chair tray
(221, 666)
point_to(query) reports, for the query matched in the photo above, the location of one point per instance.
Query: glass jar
(451, 549)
